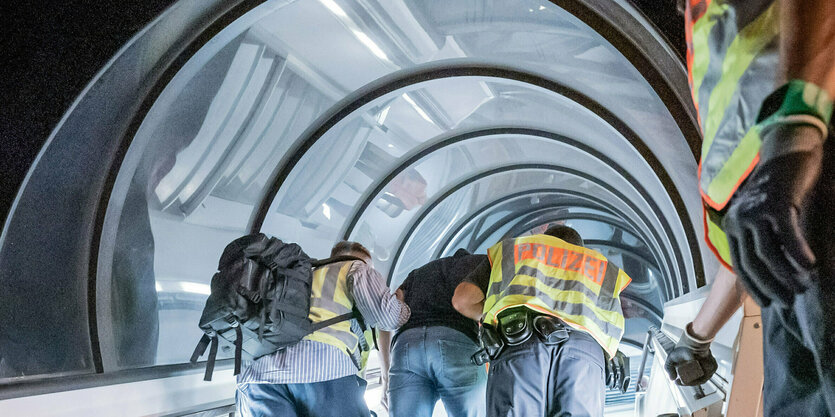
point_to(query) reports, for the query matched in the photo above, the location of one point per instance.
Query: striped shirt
(311, 361)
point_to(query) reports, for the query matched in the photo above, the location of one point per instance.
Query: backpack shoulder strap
(316, 263)
(338, 319)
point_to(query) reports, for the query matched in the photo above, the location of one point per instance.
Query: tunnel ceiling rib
(638, 45)
(575, 200)
(634, 252)
(428, 208)
(535, 218)
(583, 200)
(420, 153)
(657, 314)
(453, 138)
(459, 68)
(544, 212)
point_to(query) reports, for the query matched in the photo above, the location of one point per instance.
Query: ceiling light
(381, 118)
(326, 210)
(417, 108)
(334, 8)
(370, 44)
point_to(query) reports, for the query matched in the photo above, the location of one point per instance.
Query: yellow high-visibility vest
(548, 275)
(732, 63)
(328, 299)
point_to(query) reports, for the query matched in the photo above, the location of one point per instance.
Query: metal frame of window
(124, 114)
(656, 61)
(451, 139)
(523, 224)
(463, 68)
(626, 33)
(430, 205)
(580, 202)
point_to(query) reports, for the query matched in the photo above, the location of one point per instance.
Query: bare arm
(722, 302)
(384, 343)
(807, 36)
(469, 300)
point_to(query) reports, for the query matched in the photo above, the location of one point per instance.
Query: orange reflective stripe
(562, 258)
(694, 11)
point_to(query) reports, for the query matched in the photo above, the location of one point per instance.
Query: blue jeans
(343, 397)
(428, 363)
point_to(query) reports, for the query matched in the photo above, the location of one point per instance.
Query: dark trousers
(343, 397)
(538, 380)
(799, 343)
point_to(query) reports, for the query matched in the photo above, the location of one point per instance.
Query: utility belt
(516, 326)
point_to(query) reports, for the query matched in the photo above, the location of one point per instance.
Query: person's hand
(690, 363)
(769, 251)
(617, 372)
(400, 295)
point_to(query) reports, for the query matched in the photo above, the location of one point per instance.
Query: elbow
(463, 306)
(397, 320)
(467, 300)
(458, 303)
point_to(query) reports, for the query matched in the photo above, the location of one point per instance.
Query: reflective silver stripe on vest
(330, 305)
(578, 309)
(508, 267)
(348, 338)
(606, 298)
(331, 279)
(606, 289)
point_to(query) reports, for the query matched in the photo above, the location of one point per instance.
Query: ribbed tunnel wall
(415, 128)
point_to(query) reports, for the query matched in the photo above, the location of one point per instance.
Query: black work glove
(617, 372)
(770, 254)
(690, 363)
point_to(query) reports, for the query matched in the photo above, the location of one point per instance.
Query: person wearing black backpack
(317, 377)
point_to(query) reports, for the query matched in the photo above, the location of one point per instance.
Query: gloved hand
(770, 254)
(617, 372)
(690, 362)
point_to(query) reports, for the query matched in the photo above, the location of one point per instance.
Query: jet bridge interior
(413, 127)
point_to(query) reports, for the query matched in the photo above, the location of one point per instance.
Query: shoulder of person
(362, 268)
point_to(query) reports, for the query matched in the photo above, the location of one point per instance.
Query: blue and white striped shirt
(311, 361)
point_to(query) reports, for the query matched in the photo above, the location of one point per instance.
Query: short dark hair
(349, 248)
(565, 233)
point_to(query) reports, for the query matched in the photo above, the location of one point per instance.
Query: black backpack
(260, 300)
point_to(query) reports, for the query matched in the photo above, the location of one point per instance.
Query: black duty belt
(515, 327)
